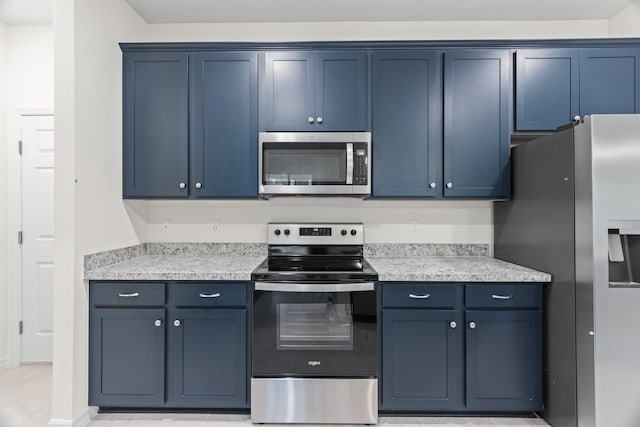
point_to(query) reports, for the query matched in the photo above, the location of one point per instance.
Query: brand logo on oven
(313, 362)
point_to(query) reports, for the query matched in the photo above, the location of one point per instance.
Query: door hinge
(20, 327)
(20, 147)
(19, 237)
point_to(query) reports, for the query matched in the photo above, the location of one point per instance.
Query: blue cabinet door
(224, 131)
(207, 364)
(609, 81)
(422, 360)
(341, 91)
(126, 357)
(311, 91)
(477, 85)
(504, 360)
(547, 88)
(155, 140)
(407, 124)
(289, 81)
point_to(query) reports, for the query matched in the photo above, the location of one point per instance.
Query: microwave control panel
(360, 164)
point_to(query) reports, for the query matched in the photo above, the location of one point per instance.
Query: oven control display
(315, 231)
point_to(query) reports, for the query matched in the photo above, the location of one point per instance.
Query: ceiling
(26, 12)
(205, 11)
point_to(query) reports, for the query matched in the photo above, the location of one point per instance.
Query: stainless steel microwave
(314, 163)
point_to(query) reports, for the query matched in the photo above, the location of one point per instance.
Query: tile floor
(25, 401)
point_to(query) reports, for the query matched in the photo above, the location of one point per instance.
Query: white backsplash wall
(386, 221)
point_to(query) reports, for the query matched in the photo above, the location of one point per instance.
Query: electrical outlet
(215, 226)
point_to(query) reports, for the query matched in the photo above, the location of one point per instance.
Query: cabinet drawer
(419, 295)
(209, 294)
(126, 293)
(503, 296)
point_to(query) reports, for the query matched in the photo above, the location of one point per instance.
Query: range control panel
(315, 234)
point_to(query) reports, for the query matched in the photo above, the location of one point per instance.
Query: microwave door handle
(349, 163)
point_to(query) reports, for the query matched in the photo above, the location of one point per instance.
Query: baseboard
(81, 421)
(5, 363)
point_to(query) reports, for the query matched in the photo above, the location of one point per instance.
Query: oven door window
(304, 164)
(302, 334)
(315, 326)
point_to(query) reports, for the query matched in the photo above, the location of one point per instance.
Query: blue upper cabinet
(609, 81)
(407, 124)
(224, 130)
(311, 91)
(155, 140)
(477, 87)
(547, 88)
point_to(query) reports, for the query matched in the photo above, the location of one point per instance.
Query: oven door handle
(314, 287)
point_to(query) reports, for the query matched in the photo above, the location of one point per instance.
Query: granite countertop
(176, 261)
(236, 261)
(453, 269)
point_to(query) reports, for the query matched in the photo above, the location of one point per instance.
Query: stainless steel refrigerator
(575, 213)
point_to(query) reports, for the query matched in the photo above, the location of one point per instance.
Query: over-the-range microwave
(314, 163)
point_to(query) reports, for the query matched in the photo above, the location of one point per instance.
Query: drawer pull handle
(130, 295)
(425, 296)
(494, 296)
(158, 322)
(472, 325)
(216, 295)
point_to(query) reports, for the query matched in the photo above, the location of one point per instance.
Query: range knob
(277, 232)
(353, 232)
(343, 232)
(287, 232)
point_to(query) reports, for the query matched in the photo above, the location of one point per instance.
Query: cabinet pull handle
(176, 323)
(129, 295)
(216, 295)
(432, 185)
(425, 296)
(453, 325)
(472, 325)
(494, 296)
(319, 119)
(182, 185)
(449, 185)
(158, 322)
(310, 119)
(198, 185)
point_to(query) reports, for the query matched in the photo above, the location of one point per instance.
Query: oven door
(314, 330)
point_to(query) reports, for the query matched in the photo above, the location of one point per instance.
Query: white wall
(89, 213)
(3, 198)
(627, 22)
(27, 83)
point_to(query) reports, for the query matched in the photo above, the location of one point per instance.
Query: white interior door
(37, 238)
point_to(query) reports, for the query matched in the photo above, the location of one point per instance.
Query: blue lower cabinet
(187, 351)
(504, 360)
(207, 358)
(422, 360)
(126, 357)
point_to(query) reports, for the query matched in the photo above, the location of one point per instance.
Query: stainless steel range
(314, 333)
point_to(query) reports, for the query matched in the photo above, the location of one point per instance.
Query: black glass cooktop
(315, 263)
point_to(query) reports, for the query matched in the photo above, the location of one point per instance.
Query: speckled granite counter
(453, 269)
(236, 261)
(176, 261)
